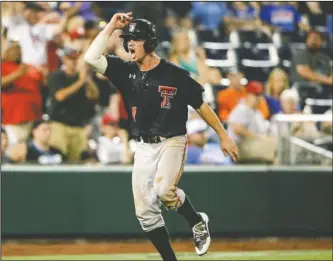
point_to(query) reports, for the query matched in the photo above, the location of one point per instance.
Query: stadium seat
(307, 90)
(206, 35)
(285, 57)
(318, 106)
(249, 39)
(256, 62)
(219, 55)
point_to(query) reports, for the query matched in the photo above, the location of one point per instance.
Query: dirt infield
(86, 247)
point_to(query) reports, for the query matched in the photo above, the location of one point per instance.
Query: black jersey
(36, 155)
(157, 100)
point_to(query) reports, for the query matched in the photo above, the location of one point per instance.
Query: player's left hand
(229, 147)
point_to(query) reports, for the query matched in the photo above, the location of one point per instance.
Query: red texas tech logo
(167, 92)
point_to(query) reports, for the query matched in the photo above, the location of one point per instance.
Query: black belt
(150, 139)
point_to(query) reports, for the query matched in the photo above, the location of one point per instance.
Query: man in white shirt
(113, 147)
(248, 128)
(32, 35)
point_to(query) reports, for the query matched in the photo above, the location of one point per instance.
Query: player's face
(4, 141)
(42, 133)
(136, 49)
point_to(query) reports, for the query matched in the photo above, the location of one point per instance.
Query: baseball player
(156, 94)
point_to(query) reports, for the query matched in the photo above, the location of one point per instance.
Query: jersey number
(133, 113)
(167, 92)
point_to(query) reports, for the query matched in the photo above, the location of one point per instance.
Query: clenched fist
(120, 20)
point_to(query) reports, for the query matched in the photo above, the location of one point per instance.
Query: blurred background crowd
(255, 60)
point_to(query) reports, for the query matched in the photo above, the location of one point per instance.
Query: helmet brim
(133, 35)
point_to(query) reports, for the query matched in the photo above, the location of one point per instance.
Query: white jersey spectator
(251, 119)
(32, 36)
(248, 128)
(113, 147)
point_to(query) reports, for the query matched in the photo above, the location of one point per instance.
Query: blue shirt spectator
(243, 11)
(199, 151)
(274, 104)
(209, 14)
(281, 15)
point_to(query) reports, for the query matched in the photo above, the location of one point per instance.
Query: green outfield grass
(253, 255)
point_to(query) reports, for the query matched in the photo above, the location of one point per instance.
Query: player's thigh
(144, 169)
(77, 144)
(59, 137)
(171, 163)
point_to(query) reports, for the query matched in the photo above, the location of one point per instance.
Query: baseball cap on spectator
(107, 119)
(255, 87)
(34, 6)
(196, 126)
(69, 52)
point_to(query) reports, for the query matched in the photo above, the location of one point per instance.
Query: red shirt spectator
(21, 99)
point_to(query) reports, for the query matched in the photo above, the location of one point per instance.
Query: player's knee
(166, 195)
(161, 190)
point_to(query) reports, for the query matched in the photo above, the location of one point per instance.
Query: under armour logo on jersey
(132, 76)
(167, 92)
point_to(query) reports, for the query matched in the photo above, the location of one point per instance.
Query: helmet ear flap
(152, 41)
(150, 44)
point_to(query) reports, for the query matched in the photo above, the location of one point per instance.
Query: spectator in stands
(4, 145)
(113, 146)
(71, 89)
(248, 128)
(32, 35)
(282, 16)
(289, 103)
(38, 150)
(228, 99)
(209, 15)
(214, 79)
(11, 13)
(242, 16)
(199, 150)
(276, 84)
(84, 9)
(186, 24)
(192, 60)
(311, 65)
(21, 100)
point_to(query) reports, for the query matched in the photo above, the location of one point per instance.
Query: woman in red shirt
(20, 95)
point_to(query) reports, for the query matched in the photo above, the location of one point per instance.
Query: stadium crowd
(255, 60)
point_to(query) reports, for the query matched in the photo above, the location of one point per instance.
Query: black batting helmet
(141, 29)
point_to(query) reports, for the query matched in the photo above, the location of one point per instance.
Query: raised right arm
(94, 56)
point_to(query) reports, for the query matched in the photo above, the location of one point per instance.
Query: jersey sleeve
(117, 71)
(194, 92)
